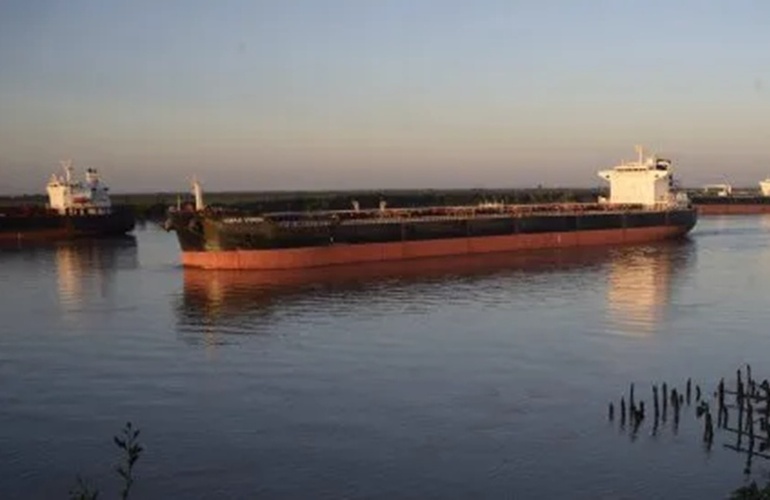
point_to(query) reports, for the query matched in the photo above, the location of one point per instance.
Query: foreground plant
(751, 492)
(128, 442)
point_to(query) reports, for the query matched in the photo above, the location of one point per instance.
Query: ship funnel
(383, 204)
(356, 206)
(198, 193)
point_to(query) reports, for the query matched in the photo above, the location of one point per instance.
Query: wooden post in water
(675, 406)
(721, 403)
(708, 428)
(689, 383)
(748, 377)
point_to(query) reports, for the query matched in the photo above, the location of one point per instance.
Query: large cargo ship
(74, 209)
(642, 206)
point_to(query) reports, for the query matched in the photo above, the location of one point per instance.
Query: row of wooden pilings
(748, 405)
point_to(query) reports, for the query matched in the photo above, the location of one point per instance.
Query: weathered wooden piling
(766, 388)
(752, 404)
(675, 406)
(740, 418)
(749, 416)
(721, 403)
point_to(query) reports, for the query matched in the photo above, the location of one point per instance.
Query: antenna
(67, 166)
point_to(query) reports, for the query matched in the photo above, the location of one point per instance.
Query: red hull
(297, 258)
(733, 209)
(37, 235)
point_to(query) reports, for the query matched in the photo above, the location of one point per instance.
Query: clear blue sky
(298, 94)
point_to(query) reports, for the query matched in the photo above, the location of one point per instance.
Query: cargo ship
(75, 209)
(642, 206)
(722, 199)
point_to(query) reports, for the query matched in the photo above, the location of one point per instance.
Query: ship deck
(426, 214)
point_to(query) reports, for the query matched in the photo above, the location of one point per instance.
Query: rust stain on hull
(298, 258)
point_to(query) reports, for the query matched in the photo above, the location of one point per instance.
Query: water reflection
(85, 269)
(215, 302)
(640, 283)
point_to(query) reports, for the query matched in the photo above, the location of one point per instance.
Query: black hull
(47, 226)
(201, 232)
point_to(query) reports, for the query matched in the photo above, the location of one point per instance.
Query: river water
(455, 378)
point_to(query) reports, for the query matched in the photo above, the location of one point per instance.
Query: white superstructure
(647, 181)
(765, 187)
(718, 189)
(68, 196)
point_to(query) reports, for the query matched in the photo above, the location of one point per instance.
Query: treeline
(310, 201)
(154, 206)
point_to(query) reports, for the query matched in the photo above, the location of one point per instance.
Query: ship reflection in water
(641, 283)
(217, 303)
(85, 269)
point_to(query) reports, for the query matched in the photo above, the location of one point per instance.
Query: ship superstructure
(647, 181)
(70, 197)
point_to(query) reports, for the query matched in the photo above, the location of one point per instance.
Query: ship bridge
(67, 196)
(646, 181)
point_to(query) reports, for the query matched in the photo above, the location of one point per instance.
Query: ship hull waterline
(339, 254)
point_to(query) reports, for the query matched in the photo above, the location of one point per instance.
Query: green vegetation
(153, 206)
(131, 450)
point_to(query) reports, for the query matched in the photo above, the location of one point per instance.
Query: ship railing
(400, 216)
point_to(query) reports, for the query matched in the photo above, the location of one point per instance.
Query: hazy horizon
(346, 94)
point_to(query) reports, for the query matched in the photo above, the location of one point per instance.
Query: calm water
(441, 379)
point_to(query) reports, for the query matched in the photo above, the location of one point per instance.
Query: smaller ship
(74, 209)
(722, 199)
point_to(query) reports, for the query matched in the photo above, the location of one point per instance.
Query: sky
(347, 94)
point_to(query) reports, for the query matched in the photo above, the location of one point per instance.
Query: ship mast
(67, 166)
(198, 193)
